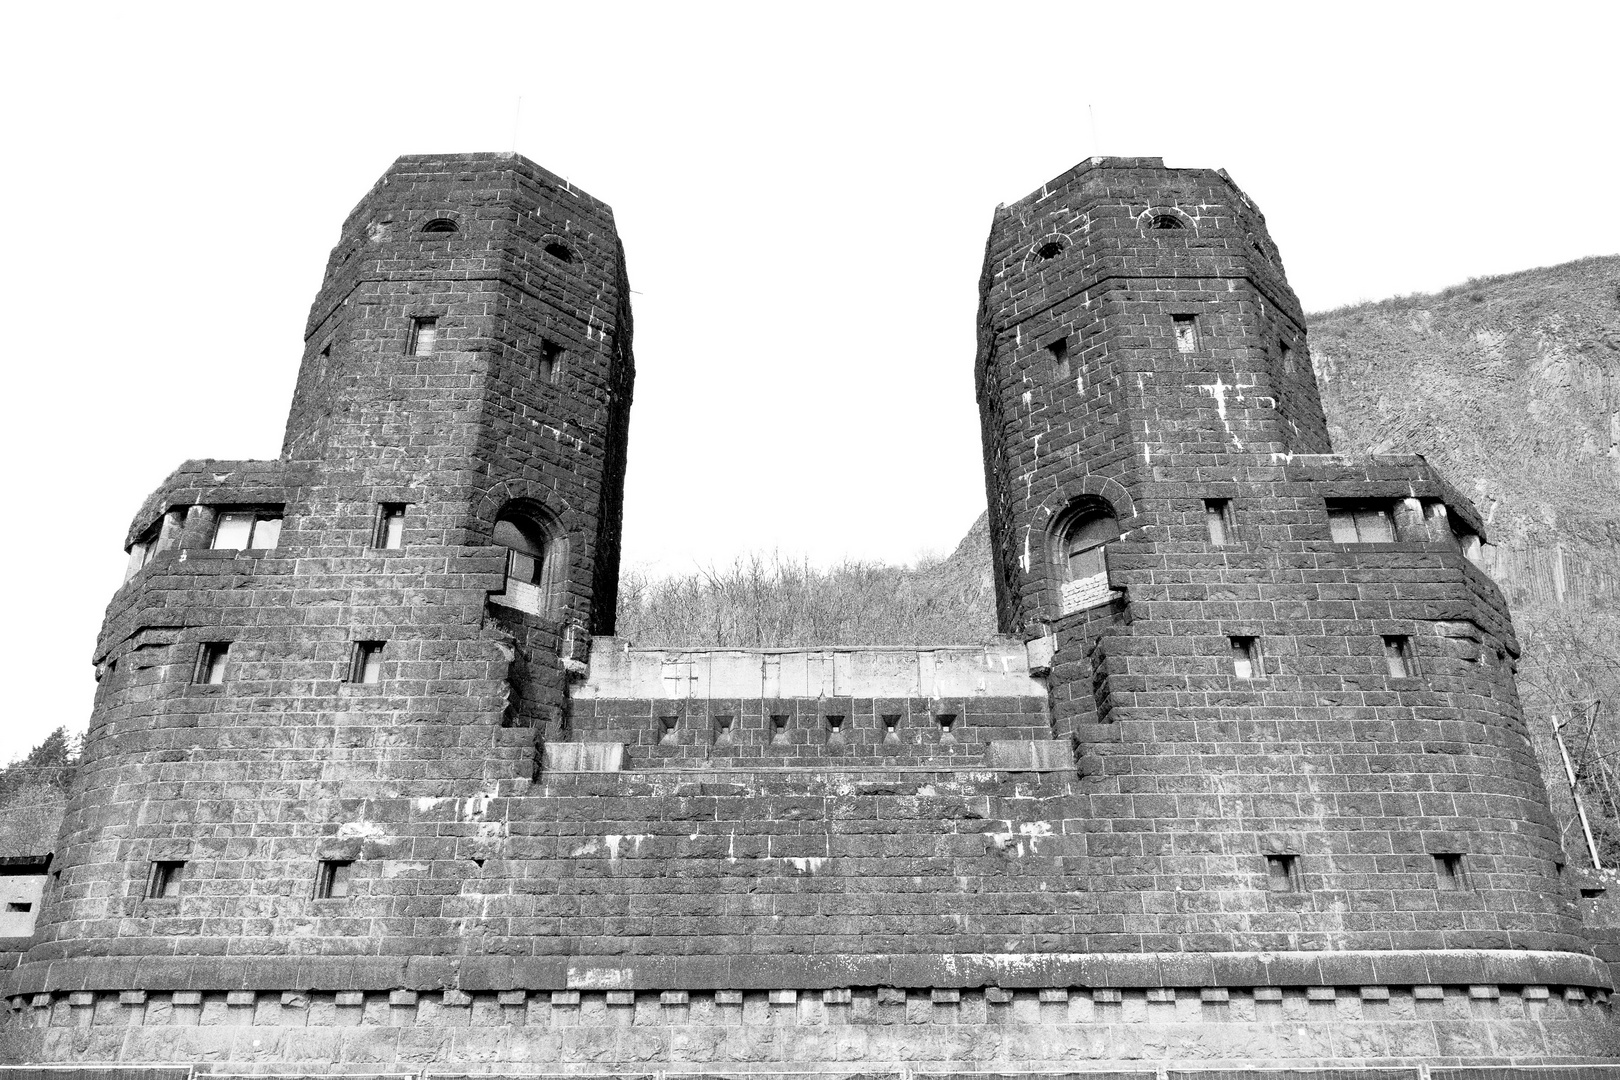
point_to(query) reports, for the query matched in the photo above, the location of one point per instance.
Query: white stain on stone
(359, 830)
(1013, 838)
(1217, 390)
(806, 866)
(614, 840)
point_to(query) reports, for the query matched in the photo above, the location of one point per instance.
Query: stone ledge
(1456, 967)
(871, 1005)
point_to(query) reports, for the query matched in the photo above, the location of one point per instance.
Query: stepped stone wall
(375, 789)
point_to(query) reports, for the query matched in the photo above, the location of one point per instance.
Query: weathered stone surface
(1265, 800)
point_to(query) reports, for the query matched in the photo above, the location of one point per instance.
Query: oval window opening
(1050, 250)
(1165, 221)
(439, 225)
(558, 251)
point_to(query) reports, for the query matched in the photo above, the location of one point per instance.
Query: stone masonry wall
(1095, 843)
(1140, 350)
(250, 782)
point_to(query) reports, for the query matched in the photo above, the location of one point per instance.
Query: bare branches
(774, 601)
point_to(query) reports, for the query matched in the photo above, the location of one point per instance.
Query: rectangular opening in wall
(211, 659)
(1186, 328)
(1246, 662)
(424, 335)
(550, 360)
(19, 906)
(390, 532)
(1448, 869)
(332, 879)
(258, 528)
(1288, 364)
(1218, 519)
(1467, 539)
(365, 663)
(1356, 521)
(1398, 656)
(1058, 350)
(163, 883)
(1282, 873)
(142, 550)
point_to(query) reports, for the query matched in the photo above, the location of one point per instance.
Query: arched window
(531, 559)
(1082, 570)
(440, 225)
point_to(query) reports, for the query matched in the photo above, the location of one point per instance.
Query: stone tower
(394, 604)
(1281, 665)
(371, 789)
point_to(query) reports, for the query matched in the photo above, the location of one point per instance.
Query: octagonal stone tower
(349, 619)
(1280, 664)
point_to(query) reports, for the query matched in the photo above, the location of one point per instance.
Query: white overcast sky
(803, 192)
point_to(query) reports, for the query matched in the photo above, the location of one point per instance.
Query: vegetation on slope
(33, 791)
(773, 602)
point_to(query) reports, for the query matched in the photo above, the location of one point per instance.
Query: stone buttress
(1243, 783)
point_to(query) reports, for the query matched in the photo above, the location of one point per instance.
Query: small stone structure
(371, 788)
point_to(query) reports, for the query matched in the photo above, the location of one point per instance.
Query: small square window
(247, 529)
(1186, 327)
(424, 336)
(211, 663)
(1354, 522)
(1218, 519)
(1398, 656)
(1246, 660)
(163, 883)
(390, 532)
(1282, 873)
(332, 879)
(1449, 870)
(550, 360)
(365, 664)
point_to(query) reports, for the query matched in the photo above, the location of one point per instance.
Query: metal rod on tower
(1574, 793)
